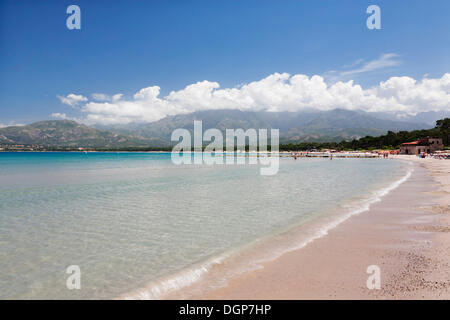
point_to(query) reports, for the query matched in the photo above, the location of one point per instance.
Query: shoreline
(394, 241)
(407, 235)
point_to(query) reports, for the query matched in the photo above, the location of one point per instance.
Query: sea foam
(166, 286)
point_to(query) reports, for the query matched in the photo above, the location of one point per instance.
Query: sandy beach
(407, 235)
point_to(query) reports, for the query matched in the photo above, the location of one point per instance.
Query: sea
(99, 225)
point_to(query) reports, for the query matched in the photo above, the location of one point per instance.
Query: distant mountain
(307, 126)
(317, 126)
(66, 133)
(428, 117)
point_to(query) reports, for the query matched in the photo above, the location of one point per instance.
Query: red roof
(410, 143)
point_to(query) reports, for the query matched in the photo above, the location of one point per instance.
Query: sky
(138, 60)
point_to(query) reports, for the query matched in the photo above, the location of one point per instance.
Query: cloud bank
(277, 92)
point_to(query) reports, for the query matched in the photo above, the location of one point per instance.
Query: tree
(443, 126)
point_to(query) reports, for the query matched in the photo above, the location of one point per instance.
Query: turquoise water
(127, 219)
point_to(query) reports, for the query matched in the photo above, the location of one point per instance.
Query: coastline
(407, 235)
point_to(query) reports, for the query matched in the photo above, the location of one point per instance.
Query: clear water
(127, 219)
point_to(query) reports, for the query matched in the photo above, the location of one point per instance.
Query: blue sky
(124, 46)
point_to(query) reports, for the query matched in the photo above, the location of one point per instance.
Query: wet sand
(407, 235)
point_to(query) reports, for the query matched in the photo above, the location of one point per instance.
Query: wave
(349, 211)
(163, 287)
(358, 208)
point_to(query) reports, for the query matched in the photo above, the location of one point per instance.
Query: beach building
(423, 145)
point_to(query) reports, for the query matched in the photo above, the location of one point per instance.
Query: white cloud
(384, 61)
(360, 66)
(116, 97)
(72, 99)
(412, 96)
(100, 96)
(105, 97)
(11, 123)
(58, 115)
(277, 92)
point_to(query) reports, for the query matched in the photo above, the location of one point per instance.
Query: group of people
(436, 156)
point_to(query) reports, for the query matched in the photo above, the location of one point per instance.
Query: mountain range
(66, 133)
(305, 126)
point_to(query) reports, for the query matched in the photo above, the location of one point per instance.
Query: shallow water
(127, 219)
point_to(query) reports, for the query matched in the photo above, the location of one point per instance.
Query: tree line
(390, 141)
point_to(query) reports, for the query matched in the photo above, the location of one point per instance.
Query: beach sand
(407, 235)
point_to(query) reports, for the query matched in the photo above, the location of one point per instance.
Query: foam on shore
(217, 271)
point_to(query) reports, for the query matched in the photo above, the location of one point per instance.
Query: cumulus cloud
(277, 92)
(72, 99)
